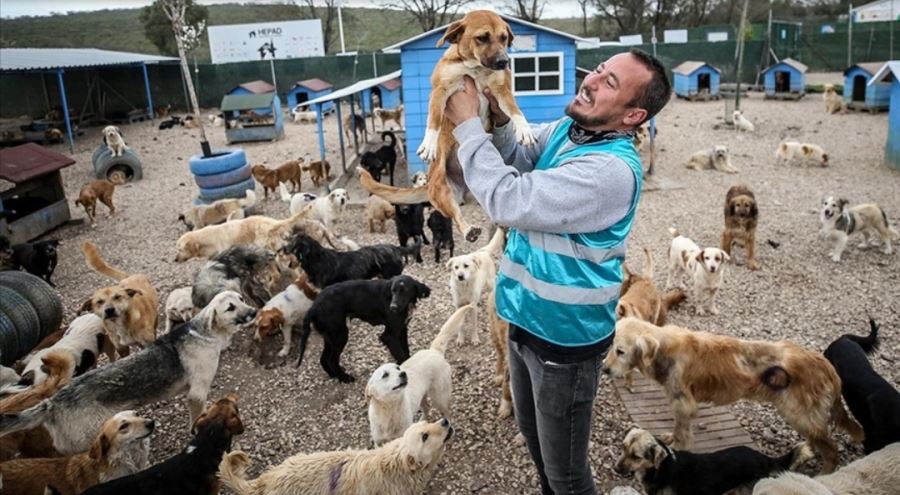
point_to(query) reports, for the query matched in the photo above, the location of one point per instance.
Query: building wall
(390, 99)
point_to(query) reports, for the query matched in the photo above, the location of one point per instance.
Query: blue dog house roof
(688, 67)
(869, 68)
(257, 87)
(315, 84)
(788, 63)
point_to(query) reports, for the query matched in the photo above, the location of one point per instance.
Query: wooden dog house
(252, 117)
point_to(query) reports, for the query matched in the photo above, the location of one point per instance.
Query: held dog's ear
(87, 307)
(510, 35)
(453, 33)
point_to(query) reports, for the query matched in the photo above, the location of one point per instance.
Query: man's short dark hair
(658, 91)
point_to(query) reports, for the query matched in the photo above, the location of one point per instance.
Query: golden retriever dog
(128, 309)
(741, 214)
(741, 124)
(378, 212)
(284, 310)
(319, 171)
(715, 158)
(840, 221)
(705, 267)
(478, 49)
(471, 276)
(641, 299)
(789, 150)
(122, 439)
(388, 114)
(500, 338)
(97, 190)
(695, 367)
(112, 138)
(834, 103)
(288, 172)
(199, 216)
(401, 467)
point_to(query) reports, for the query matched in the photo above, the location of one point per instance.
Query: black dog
(377, 302)
(326, 267)
(6, 254)
(37, 258)
(872, 400)
(382, 160)
(441, 233)
(410, 221)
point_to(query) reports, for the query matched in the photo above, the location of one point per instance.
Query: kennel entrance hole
(782, 82)
(859, 88)
(703, 82)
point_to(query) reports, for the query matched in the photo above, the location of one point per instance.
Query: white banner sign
(676, 35)
(631, 39)
(266, 41)
(717, 36)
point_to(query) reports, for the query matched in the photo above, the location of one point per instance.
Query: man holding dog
(570, 202)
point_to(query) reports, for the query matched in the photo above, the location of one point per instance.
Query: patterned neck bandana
(580, 135)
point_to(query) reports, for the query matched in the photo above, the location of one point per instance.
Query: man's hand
(463, 105)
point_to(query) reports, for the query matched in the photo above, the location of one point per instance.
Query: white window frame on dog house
(536, 73)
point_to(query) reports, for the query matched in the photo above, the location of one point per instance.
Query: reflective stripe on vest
(563, 288)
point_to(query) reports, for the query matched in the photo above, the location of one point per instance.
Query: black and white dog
(839, 221)
(183, 361)
(872, 400)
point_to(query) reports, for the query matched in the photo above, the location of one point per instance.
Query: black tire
(45, 299)
(97, 152)
(224, 179)
(238, 190)
(24, 318)
(224, 160)
(9, 341)
(128, 163)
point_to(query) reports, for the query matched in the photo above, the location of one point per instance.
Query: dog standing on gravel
(179, 307)
(37, 258)
(715, 158)
(285, 310)
(272, 178)
(471, 276)
(388, 114)
(112, 138)
(326, 209)
(705, 267)
(93, 191)
(741, 215)
(250, 271)
(840, 221)
(319, 171)
(378, 212)
(84, 340)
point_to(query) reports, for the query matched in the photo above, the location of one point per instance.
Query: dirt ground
(799, 294)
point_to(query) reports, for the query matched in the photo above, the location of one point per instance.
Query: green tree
(158, 27)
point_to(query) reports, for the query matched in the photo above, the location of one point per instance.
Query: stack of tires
(225, 174)
(105, 163)
(29, 311)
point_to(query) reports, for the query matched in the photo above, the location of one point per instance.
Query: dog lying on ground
(874, 474)
(640, 297)
(272, 178)
(471, 276)
(319, 171)
(37, 258)
(716, 158)
(387, 114)
(741, 215)
(705, 267)
(662, 470)
(183, 361)
(93, 191)
(834, 102)
(284, 310)
(789, 150)
(872, 400)
(378, 212)
(83, 340)
(199, 216)
(839, 222)
(128, 309)
(441, 229)
(179, 307)
(326, 209)
(401, 467)
(193, 470)
(250, 271)
(396, 392)
(695, 367)
(377, 302)
(382, 160)
(122, 438)
(112, 138)
(741, 124)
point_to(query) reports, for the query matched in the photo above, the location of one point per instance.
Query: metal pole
(740, 60)
(768, 35)
(850, 35)
(374, 65)
(652, 120)
(340, 126)
(274, 81)
(341, 26)
(147, 89)
(321, 132)
(893, 19)
(65, 106)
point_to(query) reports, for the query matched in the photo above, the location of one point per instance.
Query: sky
(16, 8)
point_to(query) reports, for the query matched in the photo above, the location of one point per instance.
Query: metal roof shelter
(57, 60)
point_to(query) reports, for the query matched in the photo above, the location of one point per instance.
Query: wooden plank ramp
(714, 427)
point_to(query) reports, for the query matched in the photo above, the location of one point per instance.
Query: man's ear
(635, 117)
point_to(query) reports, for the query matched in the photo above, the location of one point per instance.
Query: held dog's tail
(496, 244)
(673, 297)
(250, 199)
(232, 470)
(304, 337)
(870, 342)
(59, 366)
(390, 135)
(396, 195)
(648, 264)
(25, 420)
(451, 327)
(283, 191)
(797, 456)
(93, 259)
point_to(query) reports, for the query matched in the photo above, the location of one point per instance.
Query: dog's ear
(731, 207)
(453, 33)
(699, 257)
(805, 149)
(824, 157)
(100, 447)
(626, 273)
(656, 454)
(411, 462)
(200, 423)
(647, 347)
(211, 319)
(423, 290)
(726, 257)
(87, 307)
(621, 310)
(509, 35)
(754, 211)
(842, 202)
(234, 424)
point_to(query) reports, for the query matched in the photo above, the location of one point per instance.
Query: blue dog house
(310, 89)
(890, 74)
(697, 81)
(543, 69)
(388, 96)
(257, 87)
(859, 94)
(785, 80)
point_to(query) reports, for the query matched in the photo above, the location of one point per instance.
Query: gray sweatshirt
(583, 194)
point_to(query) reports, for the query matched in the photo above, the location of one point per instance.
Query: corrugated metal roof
(892, 67)
(246, 102)
(391, 85)
(352, 89)
(689, 66)
(791, 63)
(315, 84)
(870, 67)
(257, 87)
(27, 161)
(13, 59)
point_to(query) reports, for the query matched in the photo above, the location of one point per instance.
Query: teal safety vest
(563, 288)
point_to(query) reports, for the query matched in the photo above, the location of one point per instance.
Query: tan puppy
(179, 307)
(122, 438)
(716, 158)
(319, 171)
(834, 102)
(705, 267)
(284, 173)
(386, 115)
(478, 44)
(789, 150)
(112, 138)
(199, 216)
(694, 367)
(284, 310)
(128, 309)
(471, 276)
(378, 212)
(93, 191)
(741, 214)
(839, 222)
(401, 467)
(500, 339)
(640, 297)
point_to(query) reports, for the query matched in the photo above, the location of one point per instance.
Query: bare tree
(529, 10)
(584, 15)
(431, 13)
(328, 18)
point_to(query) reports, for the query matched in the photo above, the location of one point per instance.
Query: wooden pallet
(715, 428)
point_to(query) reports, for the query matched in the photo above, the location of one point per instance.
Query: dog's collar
(197, 335)
(668, 450)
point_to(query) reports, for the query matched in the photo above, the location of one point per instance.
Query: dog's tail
(283, 191)
(25, 420)
(396, 195)
(304, 337)
(92, 256)
(797, 456)
(250, 199)
(232, 470)
(59, 366)
(648, 264)
(674, 232)
(673, 297)
(870, 342)
(496, 244)
(391, 135)
(415, 250)
(451, 327)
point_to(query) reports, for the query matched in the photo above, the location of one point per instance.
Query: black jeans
(553, 407)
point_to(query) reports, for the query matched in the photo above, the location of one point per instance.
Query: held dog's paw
(427, 151)
(524, 135)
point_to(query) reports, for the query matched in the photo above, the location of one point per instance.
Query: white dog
(741, 123)
(396, 392)
(84, 339)
(839, 222)
(715, 158)
(420, 179)
(307, 116)
(112, 138)
(326, 209)
(705, 267)
(179, 307)
(284, 310)
(789, 150)
(471, 276)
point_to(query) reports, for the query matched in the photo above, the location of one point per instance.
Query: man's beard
(586, 120)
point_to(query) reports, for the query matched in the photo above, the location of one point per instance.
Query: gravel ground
(799, 294)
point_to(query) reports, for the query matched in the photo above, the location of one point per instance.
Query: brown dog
(378, 212)
(640, 297)
(355, 126)
(319, 171)
(741, 215)
(500, 338)
(128, 309)
(101, 190)
(478, 44)
(120, 440)
(696, 367)
(270, 178)
(386, 115)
